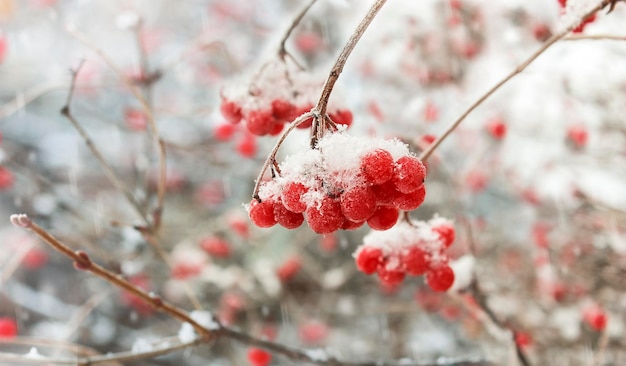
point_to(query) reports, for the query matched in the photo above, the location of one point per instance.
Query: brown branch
(272, 156)
(606, 37)
(555, 38)
(113, 178)
(150, 117)
(83, 262)
(343, 56)
(282, 51)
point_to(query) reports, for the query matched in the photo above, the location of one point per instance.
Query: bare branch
(282, 51)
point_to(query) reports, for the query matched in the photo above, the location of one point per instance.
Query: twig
(151, 122)
(555, 38)
(282, 51)
(343, 56)
(582, 37)
(119, 185)
(26, 97)
(272, 156)
(83, 262)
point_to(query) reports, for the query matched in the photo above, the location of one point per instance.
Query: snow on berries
(343, 183)
(414, 249)
(277, 95)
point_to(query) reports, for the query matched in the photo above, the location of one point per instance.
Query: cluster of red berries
(409, 248)
(583, 24)
(277, 97)
(343, 183)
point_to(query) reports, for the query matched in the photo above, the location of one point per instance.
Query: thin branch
(343, 56)
(606, 37)
(272, 156)
(150, 117)
(83, 262)
(555, 38)
(113, 178)
(282, 51)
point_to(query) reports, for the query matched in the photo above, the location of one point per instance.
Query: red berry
(8, 328)
(289, 269)
(277, 128)
(410, 201)
(6, 178)
(440, 278)
(247, 146)
(541, 32)
(35, 258)
(384, 218)
(351, 225)
(385, 192)
(496, 128)
(390, 277)
(3, 47)
(578, 135)
(287, 219)
(342, 117)
(584, 23)
(523, 339)
(313, 332)
(563, 3)
(216, 246)
(428, 139)
(595, 317)
(409, 174)
(300, 111)
(292, 196)
(377, 166)
(231, 111)
(224, 131)
(258, 357)
(135, 119)
(282, 110)
(358, 203)
(446, 234)
(260, 122)
(368, 260)
(416, 261)
(326, 218)
(262, 213)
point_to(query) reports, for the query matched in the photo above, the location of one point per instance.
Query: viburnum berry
(224, 131)
(313, 332)
(6, 178)
(327, 217)
(446, 232)
(258, 357)
(409, 201)
(377, 166)
(262, 213)
(282, 110)
(578, 136)
(385, 192)
(440, 278)
(390, 276)
(289, 269)
(292, 196)
(247, 145)
(260, 122)
(3, 47)
(351, 225)
(416, 261)
(383, 218)
(216, 246)
(286, 218)
(342, 117)
(8, 328)
(369, 259)
(409, 173)
(358, 203)
(496, 128)
(231, 111)
(595, 317)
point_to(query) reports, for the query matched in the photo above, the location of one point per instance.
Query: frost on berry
(377, 166)
(344, 182)
(276, 94)
(409, 174)
(408, 249)
(262, 213)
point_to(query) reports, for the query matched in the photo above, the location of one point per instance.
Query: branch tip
(21, 220)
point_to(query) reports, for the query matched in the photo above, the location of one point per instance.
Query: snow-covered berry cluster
(276, 96)
(409, 249)
(575, 8)
(341, 184)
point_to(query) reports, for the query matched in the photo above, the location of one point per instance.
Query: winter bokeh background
(534, 179)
